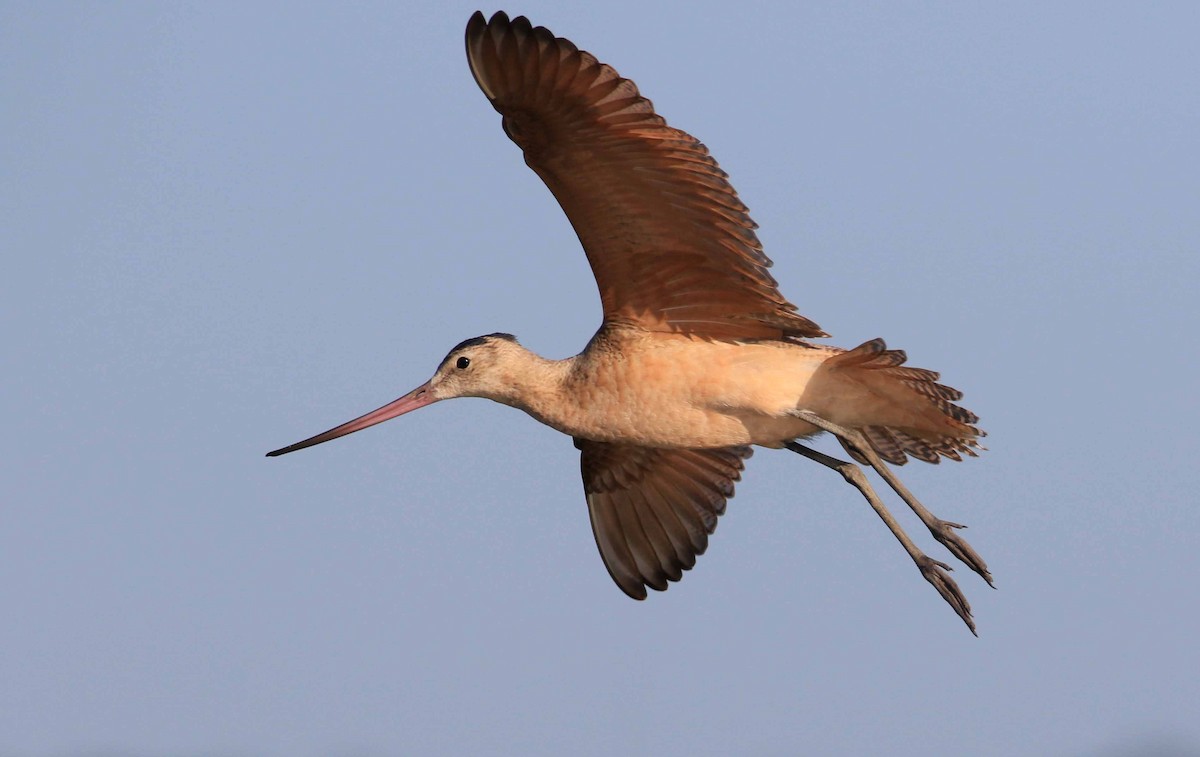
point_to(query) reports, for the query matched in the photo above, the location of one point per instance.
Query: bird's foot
(937, 573)
(946, 533)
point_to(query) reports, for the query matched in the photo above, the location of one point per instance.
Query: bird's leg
(943, 530)
(934, 572)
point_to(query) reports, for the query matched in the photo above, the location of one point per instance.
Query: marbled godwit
(699, 356)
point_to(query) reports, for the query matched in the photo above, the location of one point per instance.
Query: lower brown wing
(653, 509)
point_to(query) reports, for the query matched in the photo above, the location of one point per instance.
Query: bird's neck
(539, 388)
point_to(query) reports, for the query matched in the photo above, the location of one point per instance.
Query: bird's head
(484, 366)
(481, 367)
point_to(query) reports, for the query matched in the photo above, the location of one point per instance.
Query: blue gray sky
(227, 227)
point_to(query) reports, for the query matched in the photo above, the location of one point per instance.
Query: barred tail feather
(946, 430)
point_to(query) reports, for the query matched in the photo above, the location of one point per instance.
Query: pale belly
(678, 392)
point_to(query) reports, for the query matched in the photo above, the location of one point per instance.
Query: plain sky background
(229, 226)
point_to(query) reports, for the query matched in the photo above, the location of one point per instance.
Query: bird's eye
(462, 363)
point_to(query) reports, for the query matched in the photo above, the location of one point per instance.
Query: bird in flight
(699, 356)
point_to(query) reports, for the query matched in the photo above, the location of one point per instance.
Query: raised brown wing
(671, 245)
(653, 509)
